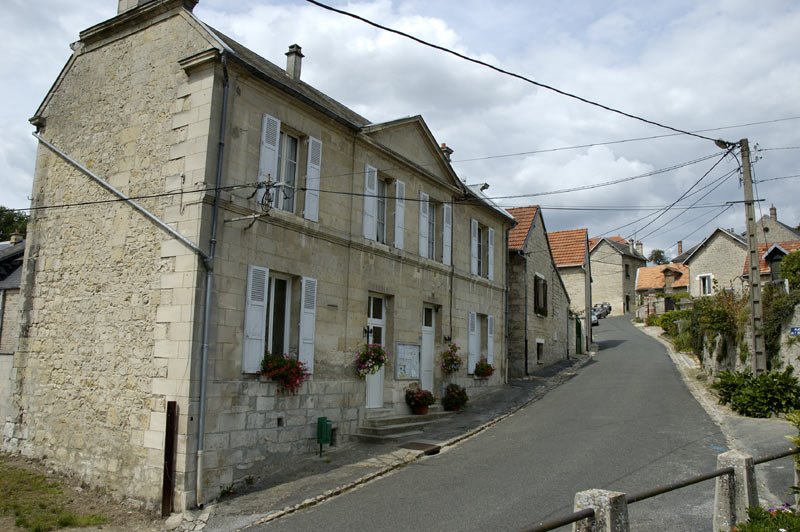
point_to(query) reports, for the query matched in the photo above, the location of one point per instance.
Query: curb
(412, 456)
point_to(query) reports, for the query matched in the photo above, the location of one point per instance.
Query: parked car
(600, 310)
(595, 321)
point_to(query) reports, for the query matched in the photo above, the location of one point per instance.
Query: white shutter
(447, 234)
(472, 342)
(268, 160)
(490, 251)
(473, 247)
(399, 213)
(308, 318)
(255, 319)
(313, 166)
(370, 202)
(489, 339)
(423, 225)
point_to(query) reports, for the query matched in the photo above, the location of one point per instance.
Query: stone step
(393, 429)
(384, 438)
(430, 417)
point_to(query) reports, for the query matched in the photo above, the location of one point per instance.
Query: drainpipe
(209, 264)
(505, 300)
(525, 262)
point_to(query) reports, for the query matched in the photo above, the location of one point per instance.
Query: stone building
(769, 264)
(539, 326)
(714, 264)
(614, 264)
(770, 230)
(231, 209)
(655, 285)
(10, 274)
(570, 249)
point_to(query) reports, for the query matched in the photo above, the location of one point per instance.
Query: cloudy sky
(729, 66)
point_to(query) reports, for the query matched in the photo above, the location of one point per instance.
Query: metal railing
(589, 513)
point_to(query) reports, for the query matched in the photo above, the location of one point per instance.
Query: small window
(705, 284)
(627, 271)
(540, 295)
(482, 250)
(284, 190)
(380, 217)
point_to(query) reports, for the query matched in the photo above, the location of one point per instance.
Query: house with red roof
(570, 249)
(539, 325)
(770, 257)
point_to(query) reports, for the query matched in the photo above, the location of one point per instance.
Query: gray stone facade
(113, 306)
(537, 336)
(614, 269)
(719, 258)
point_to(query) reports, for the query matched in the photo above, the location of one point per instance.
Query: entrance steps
(382, 425)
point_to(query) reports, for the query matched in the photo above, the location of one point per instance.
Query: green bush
(651, 320)
(769, 393)
(790, 269)
(761, 520)
(669, 320)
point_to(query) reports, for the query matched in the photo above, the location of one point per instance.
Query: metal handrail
(544, 526)
(552, 524)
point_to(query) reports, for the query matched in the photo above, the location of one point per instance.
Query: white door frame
(426, 355)
(374, 381)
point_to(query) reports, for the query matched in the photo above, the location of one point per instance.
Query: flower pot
(420, 410)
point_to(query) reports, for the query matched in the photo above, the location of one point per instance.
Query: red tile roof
(763, 265)
(524, 217)
(652, 277)
(568, 247)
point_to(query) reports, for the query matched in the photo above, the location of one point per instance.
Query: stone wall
(104, 330)
(723, 259)
(9, 299)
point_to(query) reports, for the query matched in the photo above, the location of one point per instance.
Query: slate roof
(617, 243)
(568, 247)
(652, 277)
(278, 76)
(11, 265)
(686, 255)
(763, 251)
(519, 234)
(486, 200)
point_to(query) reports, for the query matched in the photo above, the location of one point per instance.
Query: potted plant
(483, 370)
(289, 373)
(419, 400)
(370, 359)
(451, 359)
(455, 397)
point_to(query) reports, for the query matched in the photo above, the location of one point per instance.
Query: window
(284, 188)
(431, 247)
(705, 284)
(540, 295)
(627, 271)
(431, 229)
(380, 215)
(376, 321)
(481, 250)
(278, 169)
(480, 339)
(447, 234)
(378, 209)
(272, 307)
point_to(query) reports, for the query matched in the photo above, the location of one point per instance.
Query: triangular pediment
(411, 139)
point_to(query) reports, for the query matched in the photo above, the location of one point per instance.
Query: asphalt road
(626, 422)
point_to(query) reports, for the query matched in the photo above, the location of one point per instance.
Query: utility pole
(759, 359)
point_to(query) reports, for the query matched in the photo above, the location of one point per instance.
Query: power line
(777, 178)
(688, 191)
(635, 139)
(506, 72)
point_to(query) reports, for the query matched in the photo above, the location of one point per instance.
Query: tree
(790, 269)
(12, 221)
(657, 257)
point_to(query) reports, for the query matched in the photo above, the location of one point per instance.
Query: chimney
(294, 60)
(773, 213)
(639, 247)
(446, 151)
(127, 5)
(680, 247)
(16, 238)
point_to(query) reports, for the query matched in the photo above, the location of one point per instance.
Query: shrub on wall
(770, 393)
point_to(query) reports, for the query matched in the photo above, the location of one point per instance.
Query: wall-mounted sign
(407, 366)
(794, 331)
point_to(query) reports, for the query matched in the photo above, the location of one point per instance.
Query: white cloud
(689, 64)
